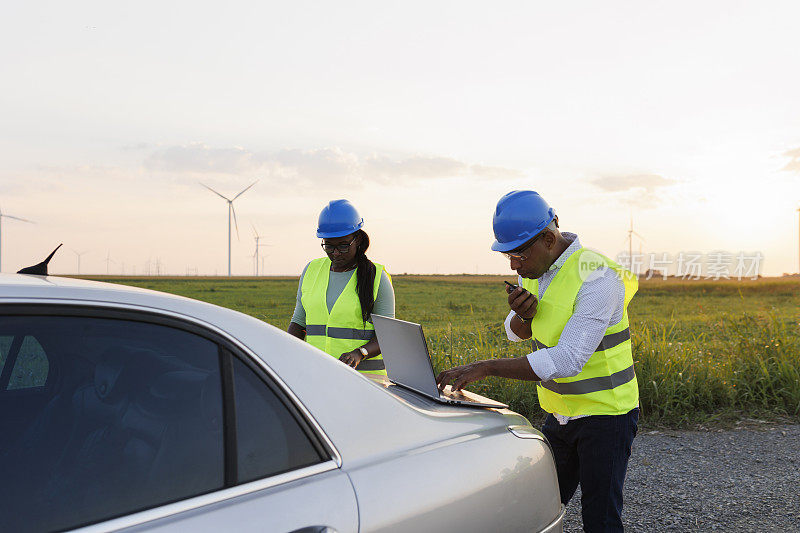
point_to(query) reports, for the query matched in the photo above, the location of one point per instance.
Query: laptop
(408, 364)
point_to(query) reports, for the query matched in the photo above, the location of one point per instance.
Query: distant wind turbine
(257, 237)
(79, 254)
(233, 211)
(631, 233)
(109, 260)
(1, 231)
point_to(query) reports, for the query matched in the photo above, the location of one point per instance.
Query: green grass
(705, 352)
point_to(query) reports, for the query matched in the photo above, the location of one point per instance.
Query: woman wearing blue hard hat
(338, 293)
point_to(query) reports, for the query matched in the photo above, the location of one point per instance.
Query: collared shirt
(599, 303)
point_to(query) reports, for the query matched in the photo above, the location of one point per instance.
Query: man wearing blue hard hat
(338, 292)
(572, 302)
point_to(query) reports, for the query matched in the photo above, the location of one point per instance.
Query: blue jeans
(594, 452)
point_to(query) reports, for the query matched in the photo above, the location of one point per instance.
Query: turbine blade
(215, 192)
(638, 235)
(243, 191)
(235, 223)
(20, 219)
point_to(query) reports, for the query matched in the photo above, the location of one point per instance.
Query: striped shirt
(600, 302)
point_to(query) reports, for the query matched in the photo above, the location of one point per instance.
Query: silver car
(128, 408)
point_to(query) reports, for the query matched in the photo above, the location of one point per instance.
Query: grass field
(705, 352)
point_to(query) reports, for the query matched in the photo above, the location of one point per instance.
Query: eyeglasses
(343, 247)
(519, 256)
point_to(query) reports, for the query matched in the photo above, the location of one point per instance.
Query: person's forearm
(297, 330)
(520, 329)
(372, 348)
(512, 368)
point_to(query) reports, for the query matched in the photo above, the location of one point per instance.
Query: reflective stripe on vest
(342, 329)
(371, 365)
(585, 386)
(340, 333)
(606, 385)
(607, 342)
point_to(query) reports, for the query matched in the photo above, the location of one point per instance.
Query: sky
(680, 116)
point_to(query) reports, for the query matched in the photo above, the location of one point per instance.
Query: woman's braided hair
(365, 276)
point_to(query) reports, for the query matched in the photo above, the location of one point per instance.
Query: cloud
(384, 168)
(322, 166)
(640, 190)
(794, 164)
(200, 158)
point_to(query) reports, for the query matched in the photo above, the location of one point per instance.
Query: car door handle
(315, 529)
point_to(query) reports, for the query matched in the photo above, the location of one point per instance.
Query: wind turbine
(79, 254)
(257, 237)
(109, 260)
(1, 230)
(230, 210)
(255, 261)
(631, 233)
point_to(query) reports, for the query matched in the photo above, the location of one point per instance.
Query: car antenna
(41, 268)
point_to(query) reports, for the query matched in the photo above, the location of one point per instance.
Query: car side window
(5, 346)
(30, 367)
(131, 419)
(268, 437)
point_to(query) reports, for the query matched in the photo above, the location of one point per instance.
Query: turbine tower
(109, 260)
(257, 237)
(1, 231)
(231, 210)
(78, 254)
(631, 233)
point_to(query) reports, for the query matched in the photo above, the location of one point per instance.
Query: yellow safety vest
(607, 384)
(343, 329)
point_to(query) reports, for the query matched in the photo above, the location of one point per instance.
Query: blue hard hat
(337, 219)
(519, 217)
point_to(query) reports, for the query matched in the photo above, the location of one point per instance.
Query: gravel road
(733, 480)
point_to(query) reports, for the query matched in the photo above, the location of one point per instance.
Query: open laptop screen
(405, 354)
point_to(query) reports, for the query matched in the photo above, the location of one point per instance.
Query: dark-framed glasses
(518, 254)
(343, 247)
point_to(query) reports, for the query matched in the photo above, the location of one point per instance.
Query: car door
(149, 422)
(286, 486)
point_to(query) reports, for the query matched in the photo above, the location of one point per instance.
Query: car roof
(60, 287)
(73, 290)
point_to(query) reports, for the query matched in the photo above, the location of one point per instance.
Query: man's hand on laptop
(460, 376)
